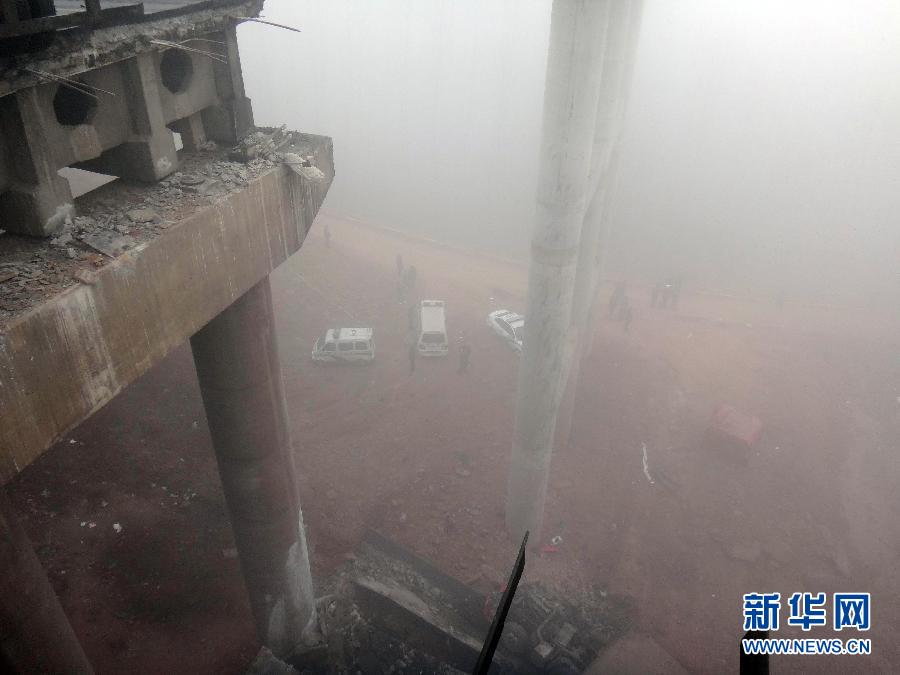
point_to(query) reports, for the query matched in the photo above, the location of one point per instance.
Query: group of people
(664, 295)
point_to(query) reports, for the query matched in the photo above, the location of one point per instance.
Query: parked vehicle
(508, 325)
(432, 329)
(345, 345)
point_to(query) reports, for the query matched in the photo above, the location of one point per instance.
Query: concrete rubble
(120, 216)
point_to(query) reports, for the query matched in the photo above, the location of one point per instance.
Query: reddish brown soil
(423, 458)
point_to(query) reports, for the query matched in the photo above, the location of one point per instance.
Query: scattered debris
(143, 216)
(645, 464)
(109, 244)
(261, 143)
(119, 216)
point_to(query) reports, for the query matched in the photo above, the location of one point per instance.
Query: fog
(360, 425)
(435, 107)
(761, 150)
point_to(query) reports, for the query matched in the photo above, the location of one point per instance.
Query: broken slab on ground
(392, 611)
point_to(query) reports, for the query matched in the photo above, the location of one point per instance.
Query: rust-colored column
(35, 635)
(240, 378)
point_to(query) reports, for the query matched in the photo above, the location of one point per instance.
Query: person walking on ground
(656, 295)
(667, 293)
(676, 291)
(399, 265)
(412, 357)
(465, 351)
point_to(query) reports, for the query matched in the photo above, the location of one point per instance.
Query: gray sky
(763, 144)
(762, 147)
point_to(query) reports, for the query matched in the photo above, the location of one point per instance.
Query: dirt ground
(128, 517)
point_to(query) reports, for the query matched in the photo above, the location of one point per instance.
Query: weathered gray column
(618, 64)
(35, 635)
(577, 33)
(240, 379)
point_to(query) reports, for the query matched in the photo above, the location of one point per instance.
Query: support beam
(39, 200)
(618, 66)
(35, 635)
(149, 154)
(577, 34)
(230, 120)
(240, 379)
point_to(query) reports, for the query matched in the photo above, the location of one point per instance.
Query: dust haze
(761, 150)
(728, 414)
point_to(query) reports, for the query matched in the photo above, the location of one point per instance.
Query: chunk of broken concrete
(109, 243)
(142, 216)
(266, 663)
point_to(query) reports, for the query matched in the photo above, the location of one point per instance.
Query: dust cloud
(760, 152)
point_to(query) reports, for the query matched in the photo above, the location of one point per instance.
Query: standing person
(399, 265)
(465, 352)
(666, 294)
(655, 296)
(676, 291)
(412, 357)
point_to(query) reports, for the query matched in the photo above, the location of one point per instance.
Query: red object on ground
(732, 425)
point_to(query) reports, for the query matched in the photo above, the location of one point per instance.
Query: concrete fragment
(266, 663)
(109, 243)
(142, 216)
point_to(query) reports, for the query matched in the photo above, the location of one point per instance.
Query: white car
(345, 345)
(508, 325)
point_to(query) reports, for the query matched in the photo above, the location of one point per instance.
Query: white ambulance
(345, 345)
(432, 329)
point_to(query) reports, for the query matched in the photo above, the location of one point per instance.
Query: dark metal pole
(483, 665)
(35, 635)
(240, 378)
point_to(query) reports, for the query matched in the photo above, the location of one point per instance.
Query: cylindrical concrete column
(35, 635)
(571, 93)
(240, 378)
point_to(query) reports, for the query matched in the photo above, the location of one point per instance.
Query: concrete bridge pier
(35, 635)
(240, 378)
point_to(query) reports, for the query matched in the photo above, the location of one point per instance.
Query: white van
(432, 329)
(345, 344)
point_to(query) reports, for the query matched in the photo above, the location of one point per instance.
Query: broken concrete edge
(65, 358)
(80, 50)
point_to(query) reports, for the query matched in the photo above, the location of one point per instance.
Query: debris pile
(119, 217)
(391, 611)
